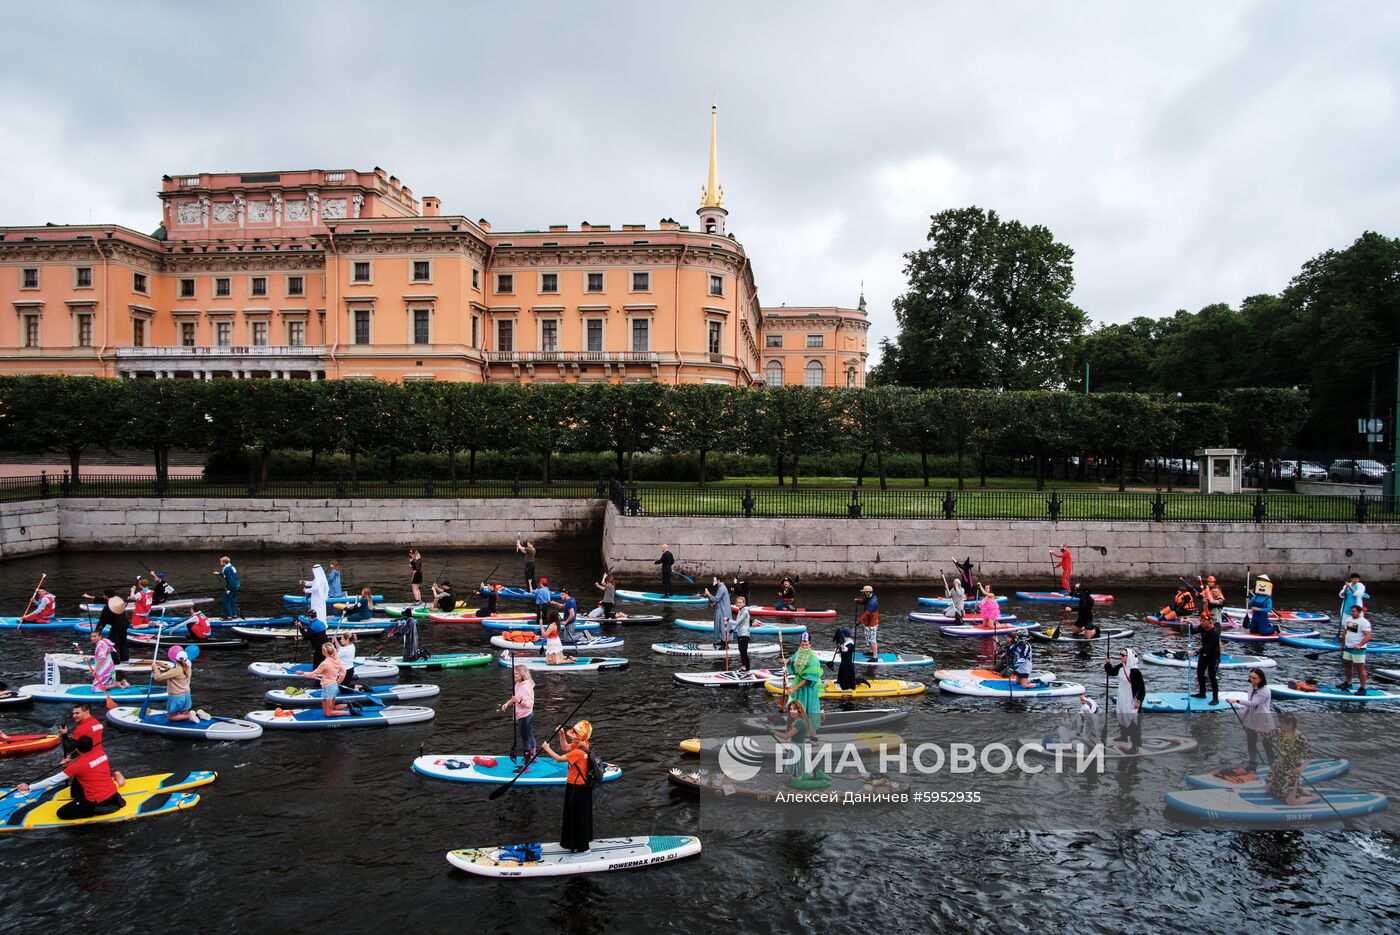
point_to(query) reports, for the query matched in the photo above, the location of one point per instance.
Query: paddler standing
(846, 656)
(956, 597)
(805, 680)
(720, 609)
(229, 574)
(1084, 606)
(527, 549)
(575, 747)
(1214, 600)
(1065, 563)
(1353, 593)
(1261, 607)
(665, 561)
(317, 591)
(870, 620)
(1208, 658)
(1355, 635)
(739, 629)
(1132, 691)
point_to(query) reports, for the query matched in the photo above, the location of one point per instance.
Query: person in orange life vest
(96, 789)
(45, 604)
(577, 834)
(1214, 599)
(1066, 563)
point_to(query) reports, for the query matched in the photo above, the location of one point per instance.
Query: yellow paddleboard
(870, 740)
(874, 688)
(45, 814)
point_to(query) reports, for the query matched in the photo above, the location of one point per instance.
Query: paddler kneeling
(1018, 658)
(95, 788)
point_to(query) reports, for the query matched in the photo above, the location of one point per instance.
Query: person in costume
(1132, 691)
(576, 750)
(805, 680)
(1286, 771)
(1261, 607)
(720, 609)
(846, 654)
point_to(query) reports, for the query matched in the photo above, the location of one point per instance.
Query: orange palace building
(340, 274)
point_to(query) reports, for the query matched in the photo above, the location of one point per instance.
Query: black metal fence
(757, 502)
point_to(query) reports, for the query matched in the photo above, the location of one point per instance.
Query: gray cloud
(1192, 153)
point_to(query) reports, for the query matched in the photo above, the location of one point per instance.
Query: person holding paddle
(112, 619)
(1065, 562)
(609, 589)
(1356, 633)
(176, 676)
(576, 747)
(787, 596)
(523, 700)
(1214, 599)
(104, 667)
(229, 575)
(329, 673)
(141, 599)
(527, 548)
(665, 561)
(869, 620)
(43, 607)
(720, 609)
(739, 630)
(1208, 657)
(956, 597)
(1294, 752)
(1258, 720)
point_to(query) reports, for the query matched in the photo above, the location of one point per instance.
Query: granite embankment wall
(158, 523)
(917, 549)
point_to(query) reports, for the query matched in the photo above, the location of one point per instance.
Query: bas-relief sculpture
(298, 211)
(333, 208)
(224, 212)
(260, 211)
(187, 212)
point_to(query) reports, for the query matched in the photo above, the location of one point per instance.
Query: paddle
(92, 667)
(501, 790)
(151, 681)
(19, 622)
(1108, 657)
(1301, 774)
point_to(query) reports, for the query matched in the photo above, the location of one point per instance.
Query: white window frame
(290, 293)
(413, 270)
(77, 270)
(774, 367)
(253, 287)
(602, 334)
(507, 291)
(719, 291)
(38, 277)
(602, 281)
(540, 321)
(369, 271)
(819, 338)
(539, 282)
(413, 311)
(496, 336)
(632, 280)
(813, 366)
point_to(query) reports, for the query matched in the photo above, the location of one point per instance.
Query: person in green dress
(804, 682)
(1292, 753)
(799, 733)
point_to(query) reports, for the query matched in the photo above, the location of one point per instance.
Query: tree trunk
(631, 466)
(393, 462)
(354, 474)
(1267, 472)
(961, 452)
(452, 466)
(779, 465)
(314, 453)
(264, 459)
(617, 451)
(471, 466)
(982, 466)
(75, 456)
(923, 463)
(880, 463)
(794, 470)
(548, 462)
(1039, 472)
(704, 453)
(860, 470)
(1122, 473)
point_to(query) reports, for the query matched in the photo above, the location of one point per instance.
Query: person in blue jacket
(1261, 607)
(543, 601)
(335, 588)
(230, 576)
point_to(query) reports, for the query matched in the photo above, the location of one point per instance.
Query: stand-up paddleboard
(1059, 597)
(1009, 688)
(1287, 616)
(1258, 807)
(707, 651)
(465, 617)
(14, 698)
(495, 623)
(292, 633)
(768, 786)
(57, 623)
(847, 721)
(1152, 745)
(364, 669)
(870, 688)
(976, 630)
(535, 663)
(862, 658)
(1390, 674)
(732, 678)
(145, 796)
(156, 722)
(71, 693)
(1182, 702)
(1329, 692)
(1180, 622)
(966, 675)
(759, 629)
(148, 639)
(531, 641)
(520, 594)
(313, 719)
(1244, 636)
(625, 618)
(551, 860)
(84, 663)
(750, 747)
(654, 597)
(944, 602)
(1373, 648)
(302, 600)
(167, 609)
(1255, 780)
(295, 696)
(432, 663)
(762, 611)
(922, 617)
(16, 744)
(1177, 659)
(1063, 637)
(467, 767)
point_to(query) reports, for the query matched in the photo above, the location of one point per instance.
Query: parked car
(1357, 471)
(1311, 470)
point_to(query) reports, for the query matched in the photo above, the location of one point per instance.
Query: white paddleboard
(706, 651)
(156, 722)
(554, 861)
(283, 670)
(313, 719)
(731, 678)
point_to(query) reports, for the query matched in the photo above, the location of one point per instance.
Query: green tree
(789, 422)
(623, 418)
(955, 416)
(352, 416)
(165, 413)
(1120, 357)
(70, 413)
(873, 422)
(1126, 425)
(701, 417)
(545, 420)
(1266, 421)
(261, 415)
(987, 306)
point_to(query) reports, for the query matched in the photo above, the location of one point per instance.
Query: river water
(331, 830)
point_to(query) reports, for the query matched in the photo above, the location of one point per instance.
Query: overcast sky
(1188, 152)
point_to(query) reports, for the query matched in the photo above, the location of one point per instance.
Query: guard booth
(1222, 469)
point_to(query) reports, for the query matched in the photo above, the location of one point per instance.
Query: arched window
(816, 373)
(773, 373)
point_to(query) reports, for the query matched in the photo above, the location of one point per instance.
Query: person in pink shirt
(988, 607)
(104, 667)
(524, 703)
(329, 673)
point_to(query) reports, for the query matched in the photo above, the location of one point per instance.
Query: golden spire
(713, 196)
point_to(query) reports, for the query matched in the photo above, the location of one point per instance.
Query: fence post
(1260, 511)
(619, 496)
(65, 486)
(429, 489)
(853, 510)
(950, 504)
(515, 486)
(43, 485)
(634, 505)
(748, 502)
(340, 488)
(252, 484)
(1362, 505)
(1159, 508)
(1054, 506)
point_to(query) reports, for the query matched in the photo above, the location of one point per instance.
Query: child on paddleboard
(524, 703)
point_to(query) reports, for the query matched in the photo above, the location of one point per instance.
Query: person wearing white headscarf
(318, 591)
(1082, 728)
(1132, 691)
